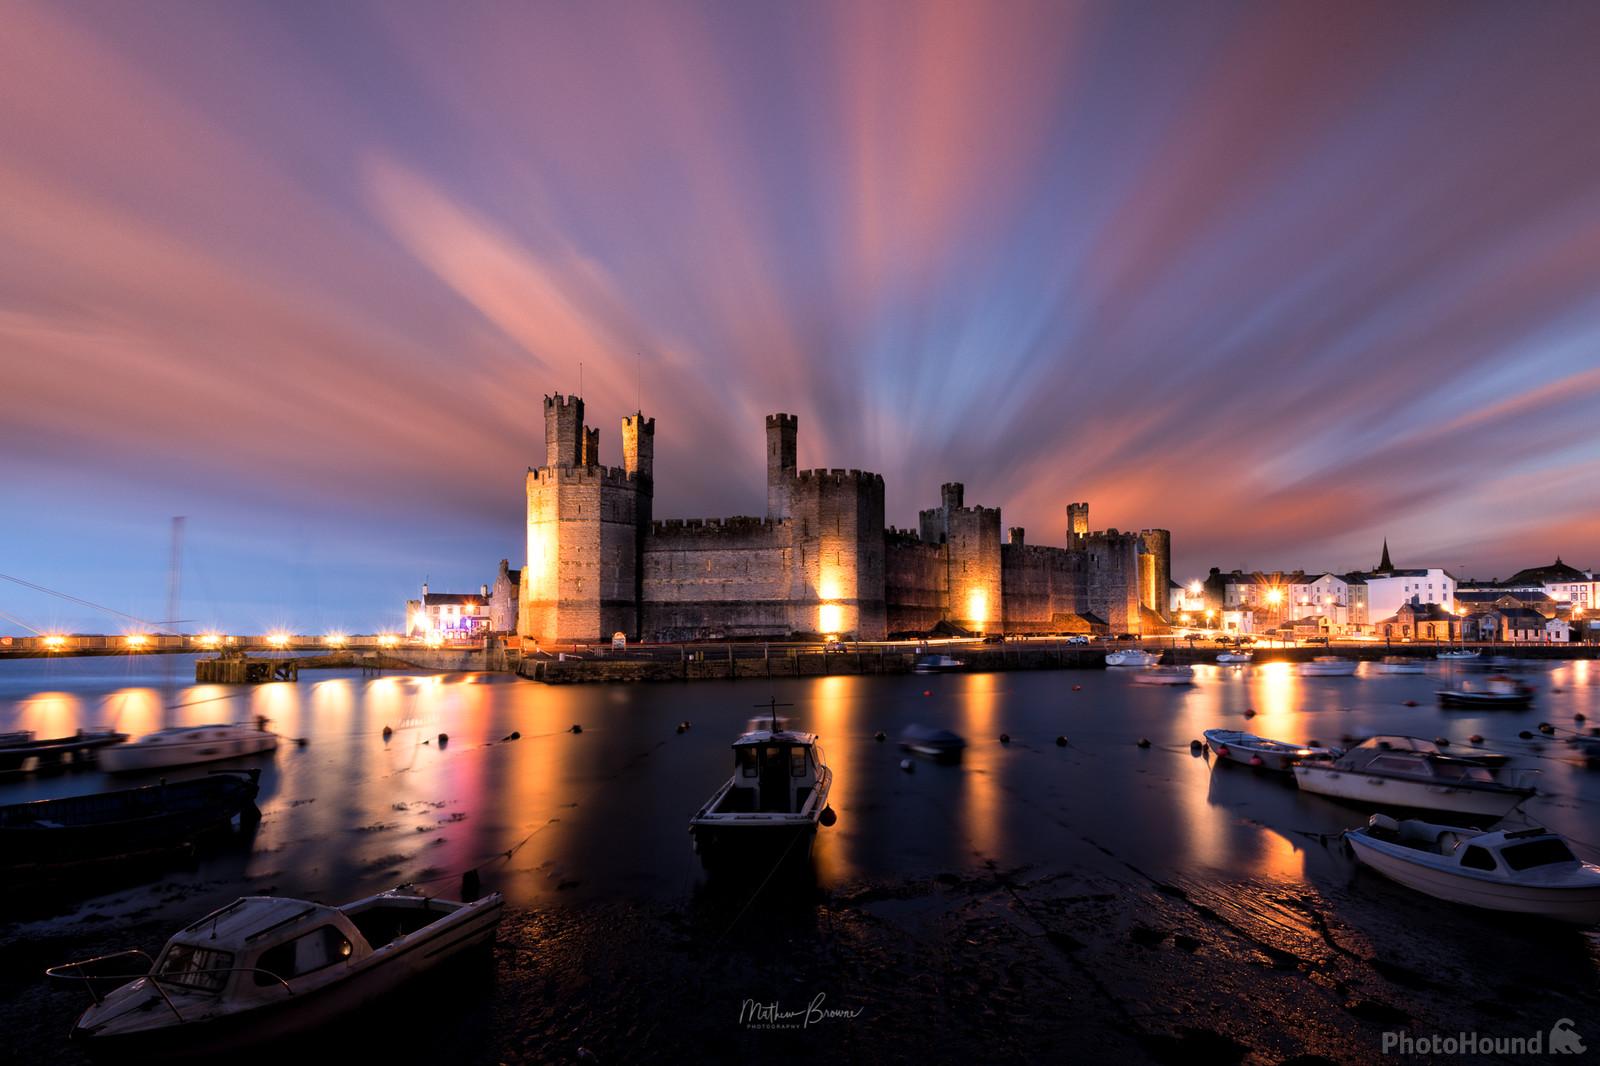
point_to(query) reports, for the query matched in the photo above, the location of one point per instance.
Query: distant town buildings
(1549, 604)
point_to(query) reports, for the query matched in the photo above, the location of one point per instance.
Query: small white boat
(1132, 657)
(1409, 773)
(1523, 871)
(265, 966)
(1458, 655)
(188, 744)
(1165, 675)
(1399, 664)
(1235, 658)
(938, 744)
(1247, 749)
(772, 804)
(1328, 666)
(1493, 692)
(936, 664)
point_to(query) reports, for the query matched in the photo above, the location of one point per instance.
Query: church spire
(1385, 566)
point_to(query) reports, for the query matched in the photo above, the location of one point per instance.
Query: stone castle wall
(733, 578)
(915, 576)
(1044, 589)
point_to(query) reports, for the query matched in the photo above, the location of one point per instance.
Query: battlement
(782, 419)
(558, 400)
(614, 476)
(734, 523)
(840, 477)
(637, 421)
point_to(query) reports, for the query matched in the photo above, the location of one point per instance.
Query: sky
(1283, 278)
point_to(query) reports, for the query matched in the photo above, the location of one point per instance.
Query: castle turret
(563, 430)
(951, 494)
(591, 447)
(782, 462)
(1077, 520)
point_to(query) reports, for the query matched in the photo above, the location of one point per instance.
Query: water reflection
(604, 813)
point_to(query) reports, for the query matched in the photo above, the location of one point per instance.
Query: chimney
(483, 590)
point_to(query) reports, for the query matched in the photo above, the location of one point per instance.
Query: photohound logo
(1562, 1039)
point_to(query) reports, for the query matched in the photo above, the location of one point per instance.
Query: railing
(156, 980)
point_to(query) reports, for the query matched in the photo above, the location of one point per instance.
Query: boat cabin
(775, 772)
(1504, 853)
(262, 942)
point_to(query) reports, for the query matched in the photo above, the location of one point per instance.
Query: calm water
(603, 815)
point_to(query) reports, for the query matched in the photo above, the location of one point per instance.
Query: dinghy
(55, 835)
(1400, 664)
(1235, 658)
(1247, 749)
(265, 967)
(186, 745)
(938, 744)
(1409, 773)
(1165, 675)
(1497, 692)
(936, 664)
(1328, 666)
(1519, 870)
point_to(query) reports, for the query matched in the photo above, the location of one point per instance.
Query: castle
(820, 562)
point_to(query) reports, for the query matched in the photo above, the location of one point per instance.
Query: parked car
(1316, 640)
(995, 638)
(1077, 638)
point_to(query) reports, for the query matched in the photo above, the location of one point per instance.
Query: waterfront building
(503, 599)
(448, 615)
(820, 561)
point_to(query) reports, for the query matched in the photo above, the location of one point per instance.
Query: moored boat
(772, 804)
(1247, 749)
(1459, 655)
(1132, 657)
(936, 664)
(1400, 664)
(938, 744)
(52, 835)
(1165, 675)
(22, 752)
(265, 967)
(1498, 691)
(1527, 870)
(186, 745)
(1409, 773)
(1235, 658)
(1328, 666)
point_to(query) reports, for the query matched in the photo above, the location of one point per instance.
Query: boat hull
(1394, 793)
(58, 835)
(132, 758)
(1339, 669)
(1577, 905)
(1485, 700)
(377, 975)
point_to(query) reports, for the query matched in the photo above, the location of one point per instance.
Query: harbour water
(1167, 906)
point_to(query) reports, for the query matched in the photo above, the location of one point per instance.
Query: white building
(1387, 592)
(447, 615)
(1324, 596)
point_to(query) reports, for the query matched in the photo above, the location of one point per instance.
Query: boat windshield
(1546, 852)
(201, 969)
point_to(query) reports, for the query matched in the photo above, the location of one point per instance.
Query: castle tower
(951, 495)
(1077, 520)
(782, 462)
(591, 447)
(638, 462)
(563, 429)
(1156, 582)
